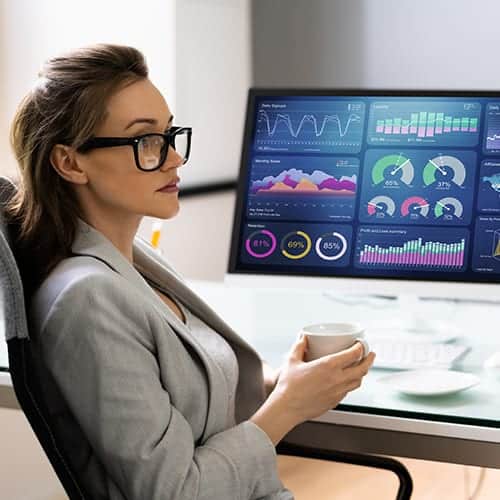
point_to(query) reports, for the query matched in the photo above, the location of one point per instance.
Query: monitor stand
(420, 318)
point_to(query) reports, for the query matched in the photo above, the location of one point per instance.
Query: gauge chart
(428, 187)
(448, 208)
(415, 206)
(381, 206)
(392, 170)
(444, 169)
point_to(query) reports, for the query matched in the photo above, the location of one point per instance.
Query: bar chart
(416, 250)
(440, 123)
(416, 253)
(425, 124)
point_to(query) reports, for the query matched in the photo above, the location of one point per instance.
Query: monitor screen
(393, 185)
(387, 185)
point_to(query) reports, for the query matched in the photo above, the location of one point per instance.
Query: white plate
(430, 382)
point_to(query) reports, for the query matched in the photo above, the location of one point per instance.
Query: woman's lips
(170, 188)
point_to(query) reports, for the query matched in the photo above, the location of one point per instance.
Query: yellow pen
(156, 234)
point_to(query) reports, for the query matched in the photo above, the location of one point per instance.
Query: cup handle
(366, 347)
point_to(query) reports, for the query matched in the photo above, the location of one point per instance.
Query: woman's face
(115, 184)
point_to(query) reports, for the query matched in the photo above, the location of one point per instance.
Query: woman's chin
(166, 212)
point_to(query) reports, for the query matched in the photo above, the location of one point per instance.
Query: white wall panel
(33, 31)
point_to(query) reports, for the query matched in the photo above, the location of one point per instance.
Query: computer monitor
(382, 192)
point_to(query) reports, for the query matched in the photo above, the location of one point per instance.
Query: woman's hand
(308, 389)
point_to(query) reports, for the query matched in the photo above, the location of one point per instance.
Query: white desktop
(381, 207)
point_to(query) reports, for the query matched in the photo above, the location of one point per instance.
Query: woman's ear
(63, 160)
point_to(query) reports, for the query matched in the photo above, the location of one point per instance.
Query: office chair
(27, 373)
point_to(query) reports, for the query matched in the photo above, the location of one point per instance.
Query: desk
(270, 320)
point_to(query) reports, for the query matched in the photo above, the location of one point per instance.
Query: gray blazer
(119, 357)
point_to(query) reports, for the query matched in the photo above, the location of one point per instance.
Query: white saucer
(430, 382)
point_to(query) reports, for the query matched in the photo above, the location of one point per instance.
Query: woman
(162, 399)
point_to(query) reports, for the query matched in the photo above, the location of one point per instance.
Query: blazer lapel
(90, 242)
(250, 392)
(158, 271)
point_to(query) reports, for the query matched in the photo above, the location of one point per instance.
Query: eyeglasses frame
(169, 136)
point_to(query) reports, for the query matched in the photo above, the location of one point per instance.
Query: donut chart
(261, 244)
(296, 245)
(331, 246)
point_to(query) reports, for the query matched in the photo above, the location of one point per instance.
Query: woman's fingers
(361, 369)
(344, 358)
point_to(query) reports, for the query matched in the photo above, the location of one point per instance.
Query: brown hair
(65, 106)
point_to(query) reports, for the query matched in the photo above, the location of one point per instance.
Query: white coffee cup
(329, 338)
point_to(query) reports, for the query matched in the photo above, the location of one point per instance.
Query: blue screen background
(372, 186)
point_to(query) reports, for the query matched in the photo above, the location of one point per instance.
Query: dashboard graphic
(421, 123)
(411, 249)
(488, 200)
(403, 185)
(418, 187)
(492, 136)
(305, 245)
(486, 258)
(310, 126)
(303, 188)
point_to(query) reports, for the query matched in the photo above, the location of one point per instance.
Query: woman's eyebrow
(149, 121)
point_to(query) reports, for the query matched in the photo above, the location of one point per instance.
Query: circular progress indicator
(445, 169)
(415, 205)
(296, 245)
(448, 207)
(396, 167)
(331, 246)
(381, 205)
(261, 244)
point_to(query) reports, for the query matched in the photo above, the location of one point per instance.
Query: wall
(313, 43)
(376, 44)
(431, 44)
(31, 32)
(213, 75)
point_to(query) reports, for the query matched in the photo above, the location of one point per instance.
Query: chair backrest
(25, 370)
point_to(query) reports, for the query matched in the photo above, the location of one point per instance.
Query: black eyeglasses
(150, 150)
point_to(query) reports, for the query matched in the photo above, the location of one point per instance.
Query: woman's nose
(173, 160)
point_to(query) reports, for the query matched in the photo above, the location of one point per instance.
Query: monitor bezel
(255, 92)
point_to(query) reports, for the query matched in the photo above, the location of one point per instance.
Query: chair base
(405, 482)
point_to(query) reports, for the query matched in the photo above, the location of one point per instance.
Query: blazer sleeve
(96, 344)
